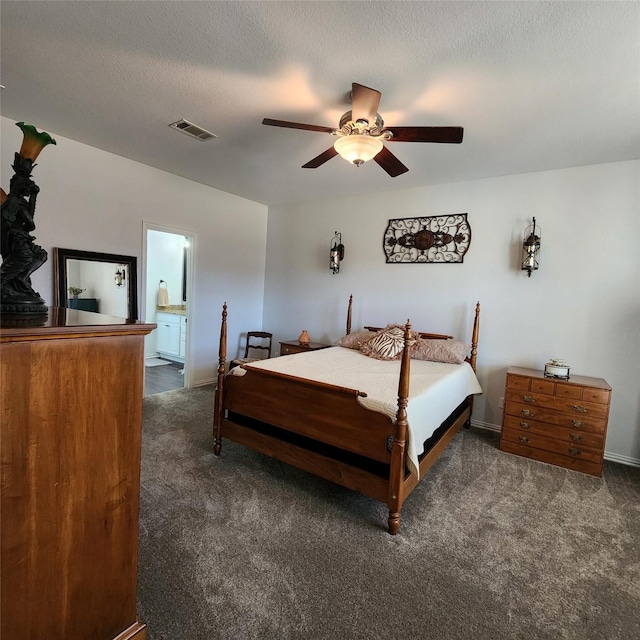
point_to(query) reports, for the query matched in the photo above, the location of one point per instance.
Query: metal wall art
(431, 239)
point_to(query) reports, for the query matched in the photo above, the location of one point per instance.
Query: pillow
(450, 351)
(386, 344)
(355, 339)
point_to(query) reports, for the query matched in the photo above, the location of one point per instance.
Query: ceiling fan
(361, 134)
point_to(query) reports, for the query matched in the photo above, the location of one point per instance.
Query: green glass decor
(33, 142)
(20, 255)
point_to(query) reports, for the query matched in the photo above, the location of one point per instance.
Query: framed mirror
(100, 282)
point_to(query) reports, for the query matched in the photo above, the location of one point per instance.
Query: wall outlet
(501, 403)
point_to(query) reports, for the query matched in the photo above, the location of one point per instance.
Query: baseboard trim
(205, 382)
(486, 425)
(612, 457)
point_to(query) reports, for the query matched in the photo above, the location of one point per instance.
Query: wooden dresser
(562, 422)
(71, 429)
(293, 346)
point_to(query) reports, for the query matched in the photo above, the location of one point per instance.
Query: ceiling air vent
(193, 130)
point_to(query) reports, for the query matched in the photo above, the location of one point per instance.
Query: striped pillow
(386, 344)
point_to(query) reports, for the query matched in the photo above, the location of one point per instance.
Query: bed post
(222, 361)
(474, 337)
(472, 359)
(397, 470)
(349, 314)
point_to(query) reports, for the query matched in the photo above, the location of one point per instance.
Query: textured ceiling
(536, 85)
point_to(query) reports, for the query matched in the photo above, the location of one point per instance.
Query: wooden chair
(255, 340)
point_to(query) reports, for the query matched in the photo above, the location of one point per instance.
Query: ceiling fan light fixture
(361, 134)
(357, 148)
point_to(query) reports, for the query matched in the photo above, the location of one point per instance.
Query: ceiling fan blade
(390, 163)
(297, 125)
(364, 103)
(325, 156)
(426, 134)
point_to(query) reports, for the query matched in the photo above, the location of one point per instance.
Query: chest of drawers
(562, 422)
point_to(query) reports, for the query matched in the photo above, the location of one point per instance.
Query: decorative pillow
(355, 339)
(386, 344)
(450, 351)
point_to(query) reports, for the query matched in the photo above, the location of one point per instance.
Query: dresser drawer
(545, 443)
(568, 462)
(571, 406)
(548, 387)
(568, 391)
(540, 414)
(571, 436)
(290, 348)
(601, 396)
(518, 382)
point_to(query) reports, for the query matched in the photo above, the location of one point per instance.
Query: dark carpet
(491, 546)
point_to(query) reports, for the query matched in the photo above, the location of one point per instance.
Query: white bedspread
(435, 389)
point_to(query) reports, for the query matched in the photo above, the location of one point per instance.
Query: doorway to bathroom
(168, 273)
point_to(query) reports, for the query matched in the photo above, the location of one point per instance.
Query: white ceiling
(536, 85)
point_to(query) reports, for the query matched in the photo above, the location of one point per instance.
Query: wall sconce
(531, 249)
(336, 254)
(121, 275)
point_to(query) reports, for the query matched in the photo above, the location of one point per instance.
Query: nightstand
(293, 346)
(562, 422)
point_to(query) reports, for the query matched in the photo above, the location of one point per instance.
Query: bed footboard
(325, 413)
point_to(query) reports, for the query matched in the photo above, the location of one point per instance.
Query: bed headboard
(436, 336)
(428, 336)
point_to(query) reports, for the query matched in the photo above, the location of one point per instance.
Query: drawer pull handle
(579, 408)
(528, 399)
(576, 436)
(574, 452)
(525, 425)
(526, 412)
(577, 424)
(523, 439)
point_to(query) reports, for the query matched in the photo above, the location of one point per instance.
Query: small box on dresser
(562, 422)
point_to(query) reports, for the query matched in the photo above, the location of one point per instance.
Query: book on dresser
(559, 421)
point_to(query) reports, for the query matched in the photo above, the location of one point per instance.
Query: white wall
(583, 304)
(97, 201)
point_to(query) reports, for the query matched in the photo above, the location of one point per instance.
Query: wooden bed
(323, 429)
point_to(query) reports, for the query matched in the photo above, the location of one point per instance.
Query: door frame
(191, 235)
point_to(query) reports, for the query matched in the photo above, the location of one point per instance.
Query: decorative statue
(20, 255)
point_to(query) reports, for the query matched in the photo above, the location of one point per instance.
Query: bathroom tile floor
(164, 378)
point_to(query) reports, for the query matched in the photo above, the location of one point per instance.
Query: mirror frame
(60, 257)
